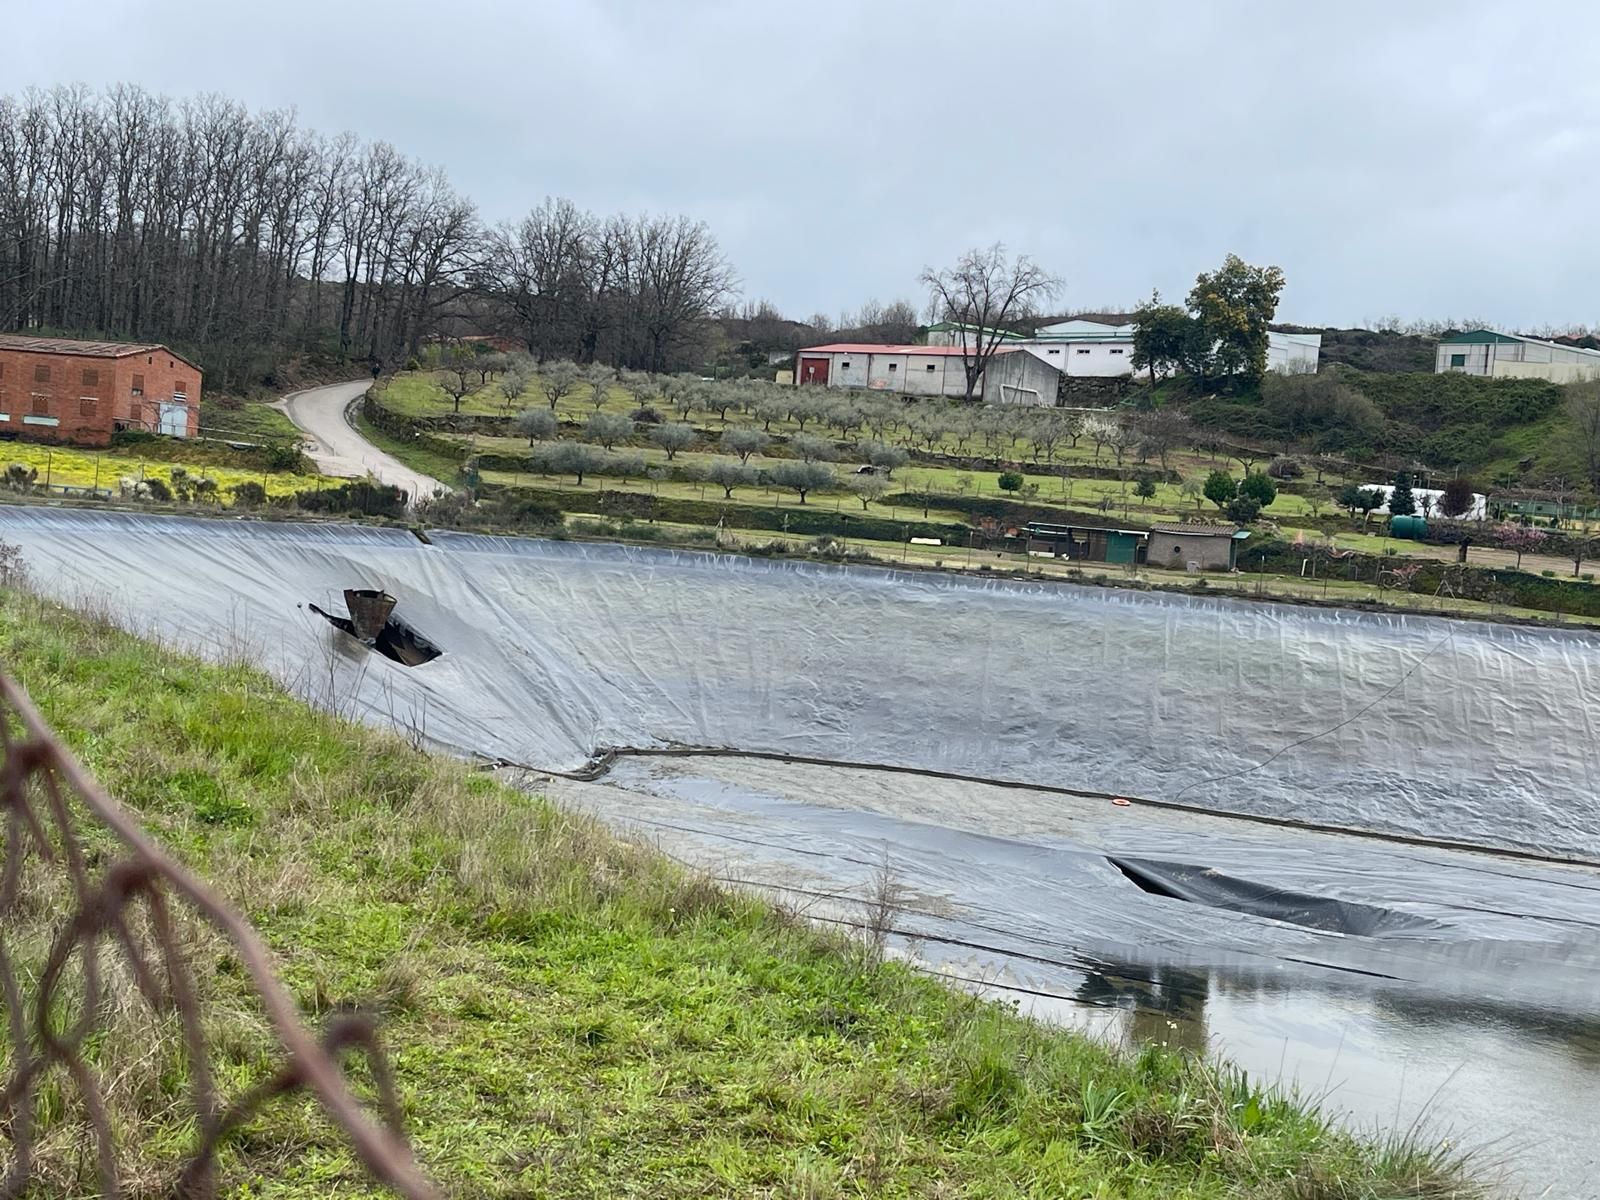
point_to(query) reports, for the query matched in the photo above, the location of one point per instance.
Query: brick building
(61, 390)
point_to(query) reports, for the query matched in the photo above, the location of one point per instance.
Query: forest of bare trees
(244, 239)
(631, 291)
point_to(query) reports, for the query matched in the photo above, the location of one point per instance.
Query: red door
(813, 370)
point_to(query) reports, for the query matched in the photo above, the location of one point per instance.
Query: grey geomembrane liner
(555, 649)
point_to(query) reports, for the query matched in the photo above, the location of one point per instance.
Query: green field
(570, 1015)
(64, 466)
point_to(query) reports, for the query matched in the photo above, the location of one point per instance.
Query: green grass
(233, 419)
(75, 467)
(570, 1015)
(446, 470)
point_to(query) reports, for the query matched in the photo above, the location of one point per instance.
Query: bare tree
(985, 292)
(1583, 413)
(456, 378)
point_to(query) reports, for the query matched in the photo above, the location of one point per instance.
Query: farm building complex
(1023, 370)
(1506, 356)
(61, 390)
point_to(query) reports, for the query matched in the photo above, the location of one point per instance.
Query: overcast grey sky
(1427, 158)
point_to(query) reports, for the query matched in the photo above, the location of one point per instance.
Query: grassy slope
(236, 419)
(571, 1016)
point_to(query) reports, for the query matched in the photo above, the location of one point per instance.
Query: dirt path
(338, 449)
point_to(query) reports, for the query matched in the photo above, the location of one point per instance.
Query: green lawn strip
(418, 458)
(570, 1015)
(233, 419)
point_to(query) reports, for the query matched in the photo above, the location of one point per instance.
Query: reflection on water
(1518, 1087)
(1483, 1029)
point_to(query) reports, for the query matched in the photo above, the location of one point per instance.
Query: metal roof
(1195, 530)
(82, 349)
(884, 348)
(1478, 337)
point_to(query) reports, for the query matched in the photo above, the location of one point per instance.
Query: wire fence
(97, 923)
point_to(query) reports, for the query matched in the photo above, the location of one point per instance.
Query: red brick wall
(80, 399)
(163, 378)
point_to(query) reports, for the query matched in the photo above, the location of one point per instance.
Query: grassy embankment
(569, 1015)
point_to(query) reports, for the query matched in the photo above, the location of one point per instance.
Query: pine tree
(1402, 503)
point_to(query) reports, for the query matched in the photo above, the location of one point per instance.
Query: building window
(41, 406)
(1053, 352)
(894, 366)
(845, 366)
(1083, 350)
(932, 368)
(41, 373)
(182, 389)
(91, 377)
(86, 406)
(1117, 351)
(1458, 360)
(138, 385)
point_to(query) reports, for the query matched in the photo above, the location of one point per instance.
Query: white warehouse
(1506, 356)
(1094, 349)
(1014, 376)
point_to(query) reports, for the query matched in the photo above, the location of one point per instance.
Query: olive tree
(570, 458)
(537, 424)
(885, 458)
(727, 475)
(558, 380)
(598, 379)
(812, 448)
(869, 488)
(608, 429)
(802, 477)
(673, 438)
(744, 442)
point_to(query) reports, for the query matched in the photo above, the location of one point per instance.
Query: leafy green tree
(1220, 487)
(673, 438)
(1243, 509)
(1349, 499)
(1402, 500)
(1234, 305)
(1368, 499)
(1145, 489)
(1259, 487)
(1010, 481)
(744, 443)
(1161, 341)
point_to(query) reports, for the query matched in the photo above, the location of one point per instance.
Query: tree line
(244, 238)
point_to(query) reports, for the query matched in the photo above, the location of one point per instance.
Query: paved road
(338, 449)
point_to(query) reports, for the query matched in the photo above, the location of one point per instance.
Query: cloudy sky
(1422, 158)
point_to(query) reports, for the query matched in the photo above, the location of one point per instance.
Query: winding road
(339, 449)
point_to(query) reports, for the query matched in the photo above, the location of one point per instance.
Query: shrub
(158, 489)
(1243, 509)
(412, 364)
(1285, 468)
(1258, 486)
(1220, 488)
(1010, 481)
(283, 457)
(359, 497)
